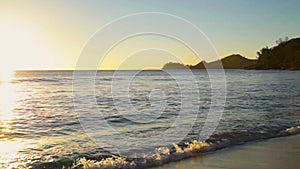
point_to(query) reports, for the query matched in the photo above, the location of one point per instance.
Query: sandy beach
(277, 153)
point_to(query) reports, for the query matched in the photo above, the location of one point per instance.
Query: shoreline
(275, 153)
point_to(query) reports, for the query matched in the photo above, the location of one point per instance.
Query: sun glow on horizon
(21, 48)
(6, 74)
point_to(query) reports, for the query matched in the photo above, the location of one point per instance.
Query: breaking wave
(158, 157)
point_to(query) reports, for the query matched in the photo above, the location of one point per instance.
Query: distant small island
(284, 56)
(172, 65)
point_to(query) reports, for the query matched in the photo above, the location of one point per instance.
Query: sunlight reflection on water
(38, 124)
(9, 150)
(9, 146)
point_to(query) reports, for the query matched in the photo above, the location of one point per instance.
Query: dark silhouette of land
(284, 56)
(230, 62)
(172, 65)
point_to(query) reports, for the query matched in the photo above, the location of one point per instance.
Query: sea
(45, 124)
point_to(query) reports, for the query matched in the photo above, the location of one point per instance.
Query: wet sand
(277, 153)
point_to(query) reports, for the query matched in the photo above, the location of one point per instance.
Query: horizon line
(19, 70)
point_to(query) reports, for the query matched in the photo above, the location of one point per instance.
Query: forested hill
(286, 55)
(230, 62)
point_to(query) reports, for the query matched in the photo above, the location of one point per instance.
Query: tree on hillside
(280, 40)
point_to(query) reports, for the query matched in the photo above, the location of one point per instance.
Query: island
(284, 56)
(174, 65)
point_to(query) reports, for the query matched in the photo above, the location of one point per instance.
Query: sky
(51, 34)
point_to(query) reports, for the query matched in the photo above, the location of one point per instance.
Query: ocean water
(40, 127)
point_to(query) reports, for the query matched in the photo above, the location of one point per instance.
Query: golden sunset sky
(50, 34)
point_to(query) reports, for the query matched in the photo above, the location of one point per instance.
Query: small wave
(162, 156)
(35, 80)
(158, 157)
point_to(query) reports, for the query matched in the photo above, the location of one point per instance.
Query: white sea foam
(195, 145)
(293, 130)
(162, 155)
(109, 163)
